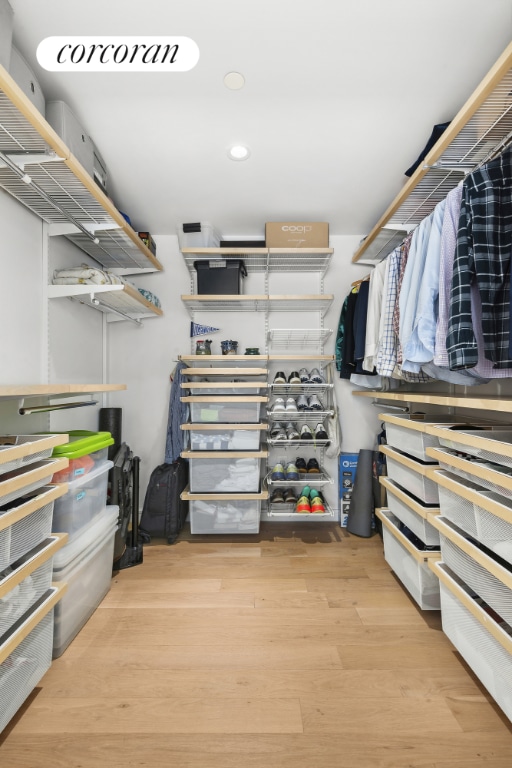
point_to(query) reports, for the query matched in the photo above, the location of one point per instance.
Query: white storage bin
(226, 516)
(64, 122)
(485, 515)
(21, 72)
(22, 668)
(483, 643)
(412, 513)
(26, 524)
(490, 476)
(202, 387)
(85, 499)
(18, 451)
(86, 567)
(407, 433)
(225, 410)
(6, 23)
(224, 472)
(22, 481)
(411, 475)
(204, 236)
(223, 438)
(409, 563)
(490, 580)
(490, 444)
(22, 585)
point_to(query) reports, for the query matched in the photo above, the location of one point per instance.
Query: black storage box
(220, 276)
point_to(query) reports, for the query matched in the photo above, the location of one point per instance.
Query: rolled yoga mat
(111, 420)
(360, 512)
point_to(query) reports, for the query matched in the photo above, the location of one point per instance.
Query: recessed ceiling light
(234, 81)
(238, 152)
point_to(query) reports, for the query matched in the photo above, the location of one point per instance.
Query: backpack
(164, 513)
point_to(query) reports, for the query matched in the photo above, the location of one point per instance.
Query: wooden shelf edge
(36, 390)
(433, 398)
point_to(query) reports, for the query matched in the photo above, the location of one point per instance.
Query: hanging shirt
(386, 354)
(373, 316)
(484, 247)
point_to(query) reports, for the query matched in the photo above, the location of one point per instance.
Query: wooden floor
(297, 648)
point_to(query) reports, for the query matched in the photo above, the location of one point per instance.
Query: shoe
(291, 472)
(316, 377)
(303, 505)
(277, 497)
(291, 432)
(278, 405)
(306, 433)
(277, 472)
(302, 403)
(274, 429)
(304, 376)
(280, 435)
(317, 506)
(306, 491)
(291, 405)
(312, 466)
(314, 494)
(279, 378)
(300, 463)
(314, 404)
(320, 433)
(289, 496)
(294, 378)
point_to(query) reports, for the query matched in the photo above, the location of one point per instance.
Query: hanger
(358, 282)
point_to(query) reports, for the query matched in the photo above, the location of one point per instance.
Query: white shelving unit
(266, 259)
(117, 301)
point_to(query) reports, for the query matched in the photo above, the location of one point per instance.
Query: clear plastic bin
(224, 474)
(85, 499)
(85, 452)
(225, 439)
(198, 235)
(228, 411)
(86, 567)
(236, 516)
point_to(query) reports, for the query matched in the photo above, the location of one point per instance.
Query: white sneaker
(278, 405)
(291, 405)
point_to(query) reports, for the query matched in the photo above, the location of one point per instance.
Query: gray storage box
(6, 20)
(25, 78)
(65, 123)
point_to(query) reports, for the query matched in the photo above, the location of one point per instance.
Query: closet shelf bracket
(21, 159)
(55, 229)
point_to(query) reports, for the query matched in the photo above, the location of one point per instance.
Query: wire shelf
(312, 416)
(263, 259)
(299, 443)
(298, 338)
(260, 303)
(311, 478)
(300, 389)
(288, 510)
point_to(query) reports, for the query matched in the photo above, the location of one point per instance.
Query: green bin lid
(81, 443)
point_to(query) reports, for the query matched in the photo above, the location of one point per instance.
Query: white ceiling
(340, 98)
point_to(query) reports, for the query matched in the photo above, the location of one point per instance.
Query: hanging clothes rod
(40, 191)
(58, 407)
(98, 303)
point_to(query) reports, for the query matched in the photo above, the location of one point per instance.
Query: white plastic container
(225, 473)
(83, 502)
(224, 439)
(66, 124)
(206, 236)
(409, 563)
(236, 516)
(410, 436)
(86, 567)
(21, 72)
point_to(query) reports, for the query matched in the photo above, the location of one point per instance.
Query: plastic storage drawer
(480, 639)
(86, 567)
(224, 437)
(25, 656)
(412, 475)
(482, 514)
(224, 472)
(85, 452)
(408, 434)
(26, 524)
(412, 513)
(225, 410)
(85, 499)
(26, 582)
(224, 516)
(409, 563)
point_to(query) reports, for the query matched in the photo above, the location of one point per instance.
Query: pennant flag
(201, 330)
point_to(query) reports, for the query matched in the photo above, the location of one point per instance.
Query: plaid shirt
(483, 252)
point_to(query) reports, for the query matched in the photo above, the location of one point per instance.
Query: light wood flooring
(297, 648)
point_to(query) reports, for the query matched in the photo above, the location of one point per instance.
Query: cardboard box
(346, 477)
(297, 234)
